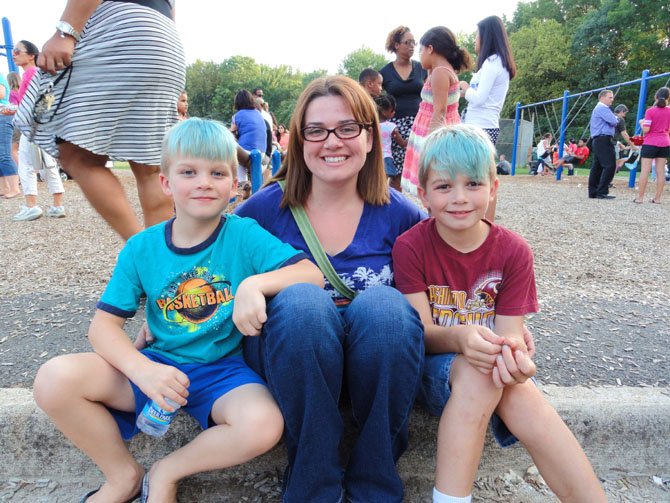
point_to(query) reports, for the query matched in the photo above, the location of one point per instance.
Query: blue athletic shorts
(434, 392)
(209, 382)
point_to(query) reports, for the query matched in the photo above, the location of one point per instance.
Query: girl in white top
(486, 94)
(488, 87)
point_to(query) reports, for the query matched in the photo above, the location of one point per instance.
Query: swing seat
(630, 166)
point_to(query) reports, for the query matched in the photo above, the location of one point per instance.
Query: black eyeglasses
(409, 43)
(343, 132)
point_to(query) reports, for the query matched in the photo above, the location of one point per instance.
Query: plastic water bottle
(155, 421)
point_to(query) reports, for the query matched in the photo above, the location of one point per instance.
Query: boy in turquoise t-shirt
(205, 277)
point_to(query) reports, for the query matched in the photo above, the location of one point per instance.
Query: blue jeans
(7, 164)
(306, 351)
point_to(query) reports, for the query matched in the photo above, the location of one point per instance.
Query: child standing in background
(389, 132)
(371, 80)
(443, 58)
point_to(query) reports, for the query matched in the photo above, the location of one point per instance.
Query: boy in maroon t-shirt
(472, 282)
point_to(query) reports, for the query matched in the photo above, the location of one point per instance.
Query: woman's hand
(56, 54)
(463, 86)
(144, 337)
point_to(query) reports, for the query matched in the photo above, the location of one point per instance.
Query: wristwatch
(66, 28)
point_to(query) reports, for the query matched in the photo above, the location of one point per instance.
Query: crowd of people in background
(427, 93)
(350, 150)
(611, 147)
(407, 81)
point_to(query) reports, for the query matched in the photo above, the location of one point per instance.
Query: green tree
(542, 54)
(542, 10)
(202, 80)
(632, 35)
(212, 86)
(360, 59)
(309, 77)
(566, 12)
(467, 41)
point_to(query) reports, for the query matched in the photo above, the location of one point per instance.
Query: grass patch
(623, 173)
(121, 165)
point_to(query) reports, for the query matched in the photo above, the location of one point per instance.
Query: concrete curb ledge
(622, 429)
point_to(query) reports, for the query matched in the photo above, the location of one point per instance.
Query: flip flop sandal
(91, 493)
(144, 495)
(655, 201)
(637, 202)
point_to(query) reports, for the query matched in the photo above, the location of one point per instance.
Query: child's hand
(249, 311)
(529, 341)
(144, 337)
(513, 366)
(159, 381)
(480, 346)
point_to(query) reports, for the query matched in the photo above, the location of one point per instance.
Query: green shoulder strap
(315, 247)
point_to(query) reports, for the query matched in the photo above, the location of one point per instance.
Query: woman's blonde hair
(371, 185)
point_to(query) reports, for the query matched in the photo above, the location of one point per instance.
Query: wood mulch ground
(602, 269)
(603, 276)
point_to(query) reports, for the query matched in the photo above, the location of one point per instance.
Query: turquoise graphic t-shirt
(190, 291)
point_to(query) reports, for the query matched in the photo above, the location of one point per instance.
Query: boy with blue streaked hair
(205, 277)
(472, 282)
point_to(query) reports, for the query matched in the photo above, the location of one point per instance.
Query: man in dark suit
(603, 122)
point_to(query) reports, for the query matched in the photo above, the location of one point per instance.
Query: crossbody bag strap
(317, 250)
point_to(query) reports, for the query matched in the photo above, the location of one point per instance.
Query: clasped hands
(508, 360)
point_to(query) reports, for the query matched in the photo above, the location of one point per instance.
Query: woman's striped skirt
(120, 96)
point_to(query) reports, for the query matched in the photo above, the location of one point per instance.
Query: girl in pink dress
(444, 59)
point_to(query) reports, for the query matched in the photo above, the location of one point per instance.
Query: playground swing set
(558, 127)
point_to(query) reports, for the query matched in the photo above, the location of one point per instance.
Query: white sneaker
(26, 214)
(21, 212)
(56, 212)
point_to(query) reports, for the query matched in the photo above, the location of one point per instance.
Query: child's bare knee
(469, 380)
(523, 403)
(473, 393)
(264, 423)
(55, 378)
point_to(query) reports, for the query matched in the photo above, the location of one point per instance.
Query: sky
(305, 35)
